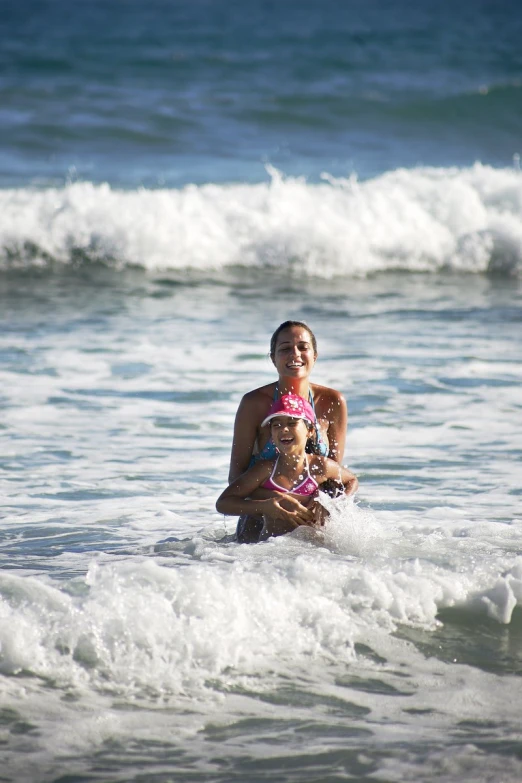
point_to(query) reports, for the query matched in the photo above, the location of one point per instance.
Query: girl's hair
(288, 325)
(332, 487)
(312, 447)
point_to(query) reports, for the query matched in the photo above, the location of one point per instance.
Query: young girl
(294, 476)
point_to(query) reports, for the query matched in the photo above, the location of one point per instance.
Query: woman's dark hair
(288, 325)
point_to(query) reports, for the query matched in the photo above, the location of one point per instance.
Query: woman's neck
(300, 386)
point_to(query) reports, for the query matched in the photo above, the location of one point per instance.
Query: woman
(293, 350)
(293, 471)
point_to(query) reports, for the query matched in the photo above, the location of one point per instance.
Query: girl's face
(289, 434)
(294, 353)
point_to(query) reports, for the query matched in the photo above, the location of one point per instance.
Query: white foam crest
(148, 627)
(424, 219)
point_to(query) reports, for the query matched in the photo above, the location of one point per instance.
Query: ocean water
(175, 180)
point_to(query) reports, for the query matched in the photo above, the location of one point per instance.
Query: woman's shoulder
(259, 396)
(326, 395)
(254, 406)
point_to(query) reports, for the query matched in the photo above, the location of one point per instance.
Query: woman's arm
(337, 415)
(249, 414)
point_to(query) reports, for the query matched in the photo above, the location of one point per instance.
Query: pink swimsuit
(306, 487)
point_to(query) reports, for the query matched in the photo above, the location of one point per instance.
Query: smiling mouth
(295, 364)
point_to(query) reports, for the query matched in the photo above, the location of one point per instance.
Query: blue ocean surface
(169, 92)
(176, 179)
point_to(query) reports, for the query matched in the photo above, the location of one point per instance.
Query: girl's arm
(332, 470)
(323, 468)
(236, 500)
(326, 468)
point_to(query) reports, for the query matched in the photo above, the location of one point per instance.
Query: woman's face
(289, 434)
(294, 353)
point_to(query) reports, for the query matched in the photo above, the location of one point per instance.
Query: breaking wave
(412, 220)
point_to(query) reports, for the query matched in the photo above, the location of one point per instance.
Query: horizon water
(175, 181)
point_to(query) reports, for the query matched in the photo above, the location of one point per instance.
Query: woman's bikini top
(269, 450)
(307, 486)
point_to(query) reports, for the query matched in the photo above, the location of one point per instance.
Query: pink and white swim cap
(291, 405)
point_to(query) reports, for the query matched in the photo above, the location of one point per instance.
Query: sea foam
(144, 626)
(418, 220)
